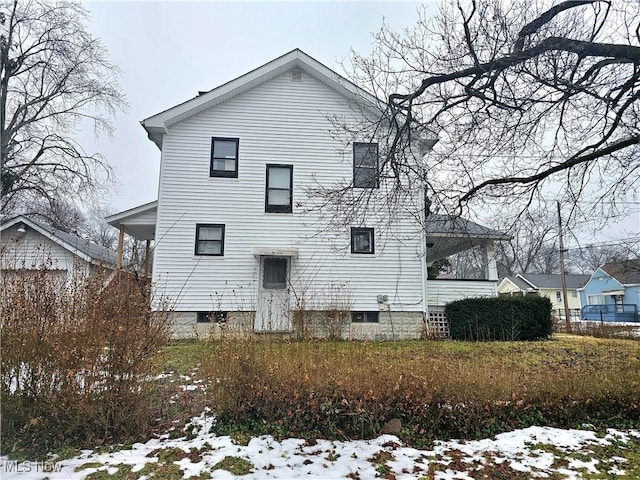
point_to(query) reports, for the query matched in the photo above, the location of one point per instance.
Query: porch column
(147, 251)
(120, 248)
(489, 259)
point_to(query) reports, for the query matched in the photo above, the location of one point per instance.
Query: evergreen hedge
(502, 318)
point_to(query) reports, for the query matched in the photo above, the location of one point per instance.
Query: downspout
(423, 256)
(425, 145)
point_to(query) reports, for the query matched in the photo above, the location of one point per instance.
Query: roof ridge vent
(296, 74)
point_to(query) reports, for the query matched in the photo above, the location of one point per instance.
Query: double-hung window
(209, 239)
(279, 191)
(224, 157)
(365, 165)
(362, 240)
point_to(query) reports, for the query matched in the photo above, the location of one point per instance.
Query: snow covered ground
(535, 452)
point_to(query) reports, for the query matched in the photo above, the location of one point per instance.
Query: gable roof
(626, 272)
(157, 124)
(518, 282)
(84, 249)
(554, 281)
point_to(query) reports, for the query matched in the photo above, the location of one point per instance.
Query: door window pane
(275, 273)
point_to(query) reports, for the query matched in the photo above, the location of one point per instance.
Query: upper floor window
(224, 157)
(365, 165)
(362, 240)
(279, 191)
(209, 239)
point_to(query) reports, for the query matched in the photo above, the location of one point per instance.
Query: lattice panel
(437, 325)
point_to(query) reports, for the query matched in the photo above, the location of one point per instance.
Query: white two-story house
(241, 234)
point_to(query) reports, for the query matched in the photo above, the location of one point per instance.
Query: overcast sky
(168, 51)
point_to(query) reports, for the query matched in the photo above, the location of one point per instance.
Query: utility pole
(562, 276)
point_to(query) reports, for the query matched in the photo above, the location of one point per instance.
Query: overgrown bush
(77, 360)
(343, 390)
(502, 318)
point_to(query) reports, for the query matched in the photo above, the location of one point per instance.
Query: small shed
(27, 245)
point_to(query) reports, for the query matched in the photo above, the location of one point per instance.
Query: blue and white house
(612, 294)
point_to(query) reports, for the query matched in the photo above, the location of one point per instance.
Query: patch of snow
(296, 458)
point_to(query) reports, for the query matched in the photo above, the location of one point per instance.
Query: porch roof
(139, 222)
(448, 235)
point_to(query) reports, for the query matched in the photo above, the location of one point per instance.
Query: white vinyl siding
(441, 292)
(32, 251)
(277, 122)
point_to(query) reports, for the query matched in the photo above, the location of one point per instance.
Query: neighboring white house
(238, 235)
(549, 286)
(27, 245)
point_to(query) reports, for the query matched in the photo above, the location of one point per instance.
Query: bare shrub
(77, 360)
(449, 389)
(628, 331)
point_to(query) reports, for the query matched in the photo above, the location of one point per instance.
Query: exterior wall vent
(296, 75)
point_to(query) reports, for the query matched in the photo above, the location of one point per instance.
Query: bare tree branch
(53, 76)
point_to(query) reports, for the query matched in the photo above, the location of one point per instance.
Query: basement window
(365, 317)
(212, 317)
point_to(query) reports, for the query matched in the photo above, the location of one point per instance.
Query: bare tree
(587, 258)
(98, 230)
(54, 76)
(58, 212)
(526, 98)
(533, 248)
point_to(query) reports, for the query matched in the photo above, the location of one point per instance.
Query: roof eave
(487, 236)
(114, 220)
(51, 236)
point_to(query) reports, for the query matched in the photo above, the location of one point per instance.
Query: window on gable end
(209, 239)
(279, 189)
(365, 165)
(224, 157)
(362, 240)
